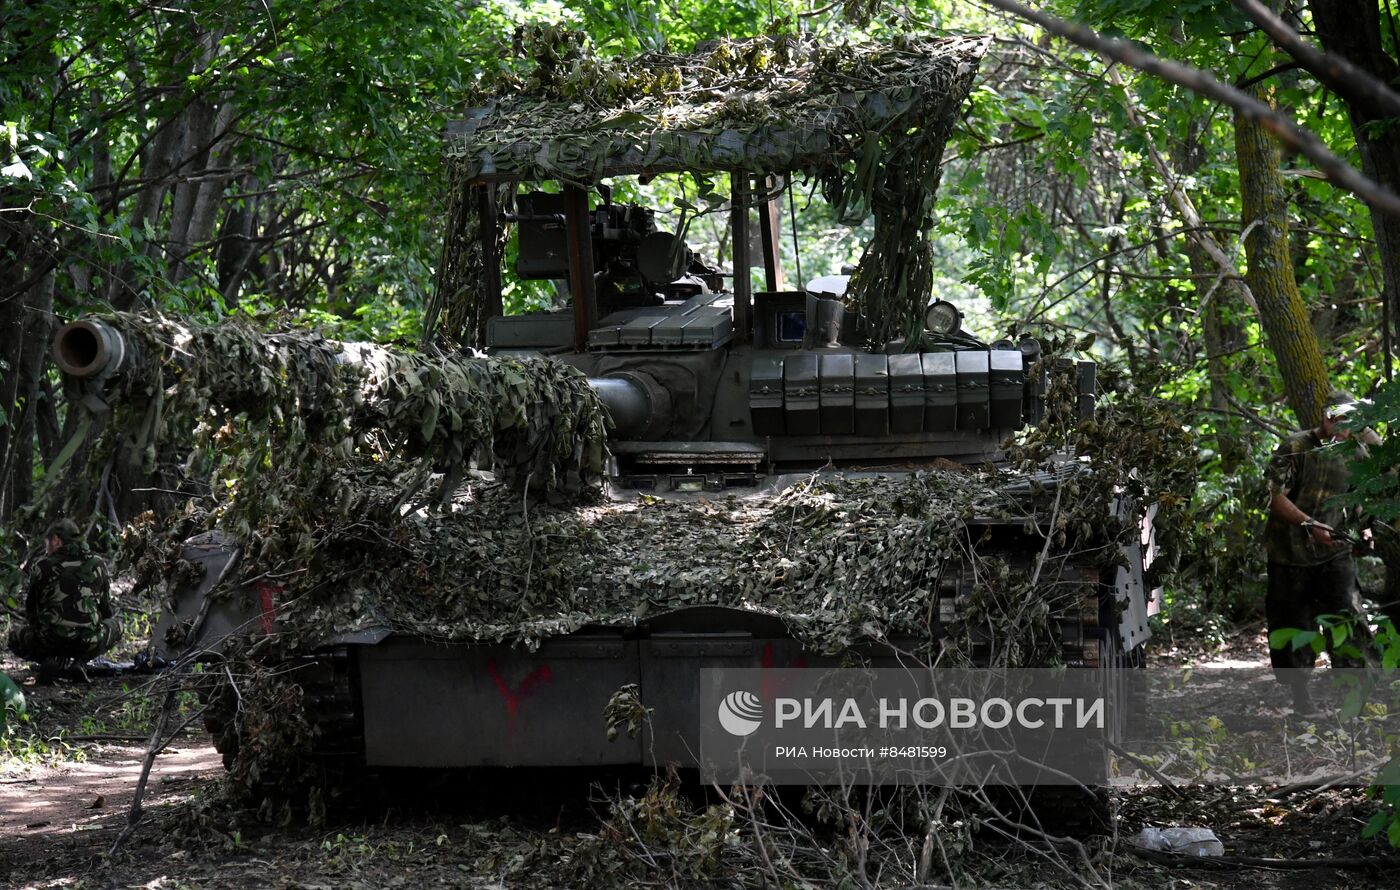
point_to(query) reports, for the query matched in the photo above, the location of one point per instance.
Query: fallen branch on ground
(1183, 860)
(1151, 770)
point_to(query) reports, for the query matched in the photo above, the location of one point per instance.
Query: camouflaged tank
(802, 473)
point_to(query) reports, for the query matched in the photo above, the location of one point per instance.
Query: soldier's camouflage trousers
(1298, 595)
(36, 643)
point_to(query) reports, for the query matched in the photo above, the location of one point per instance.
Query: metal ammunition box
(872, 394)
(801, 408)
(837, 380)
(940, 391)
(1088, 389)
(974, 369)
(906, 393)
(540, 330)
(1007, 383)
(766, 396)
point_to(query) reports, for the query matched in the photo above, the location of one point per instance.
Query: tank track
(330, 689)
(220, 702)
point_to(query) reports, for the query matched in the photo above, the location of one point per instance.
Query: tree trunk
(1270, 277)
(38, 328)
(1353, 30)
(209, 197)
(205, 156)
(12, 312)
(26, 254)
(46, 422)
(197, 129)
(156, 168)
(1221, 337)
(25, 332)
(235, 249)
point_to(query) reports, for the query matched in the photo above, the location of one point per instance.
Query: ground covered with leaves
(571, 829)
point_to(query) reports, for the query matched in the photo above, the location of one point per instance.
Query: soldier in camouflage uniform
(68, 609)
(1311, 573)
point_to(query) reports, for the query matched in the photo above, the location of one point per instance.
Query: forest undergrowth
(634, 828)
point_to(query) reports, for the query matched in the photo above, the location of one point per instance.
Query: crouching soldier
(68, 608)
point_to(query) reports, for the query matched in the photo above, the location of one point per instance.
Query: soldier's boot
(1303, 706)
(49, 671)
(53, 669)
(73, 670)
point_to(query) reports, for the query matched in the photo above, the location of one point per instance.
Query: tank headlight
(942, 318)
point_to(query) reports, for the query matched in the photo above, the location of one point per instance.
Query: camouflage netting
(294, 428)
(869, 120)
(338, 482)
(335, 512)
(353, 475)
(841, 562)
(464, 274)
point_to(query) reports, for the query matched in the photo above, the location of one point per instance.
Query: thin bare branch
(1339, 172)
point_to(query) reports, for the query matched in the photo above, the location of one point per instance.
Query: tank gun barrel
(89, 348)
(93, 349)
(636, 403)
(530, 420)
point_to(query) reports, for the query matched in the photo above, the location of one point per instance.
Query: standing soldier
(68, 609)
(1311, 573)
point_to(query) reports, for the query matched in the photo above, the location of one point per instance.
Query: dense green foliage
(320, 121)
(283, 160)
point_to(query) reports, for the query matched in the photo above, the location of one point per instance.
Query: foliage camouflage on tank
(843, 562)
(293, 419)
(321, 481)
(867, 120)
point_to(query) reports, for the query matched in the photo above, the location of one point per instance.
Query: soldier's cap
(1340, 403)
(66, 529)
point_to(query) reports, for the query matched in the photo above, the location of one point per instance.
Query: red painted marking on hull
(772, 685)
(267, 599)
(511, 697)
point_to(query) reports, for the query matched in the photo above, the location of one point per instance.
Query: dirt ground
(63, 803)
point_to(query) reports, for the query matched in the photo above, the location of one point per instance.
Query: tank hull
(475, 706)
(398, 700)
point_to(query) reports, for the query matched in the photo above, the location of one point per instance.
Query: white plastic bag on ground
(1189, 841)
